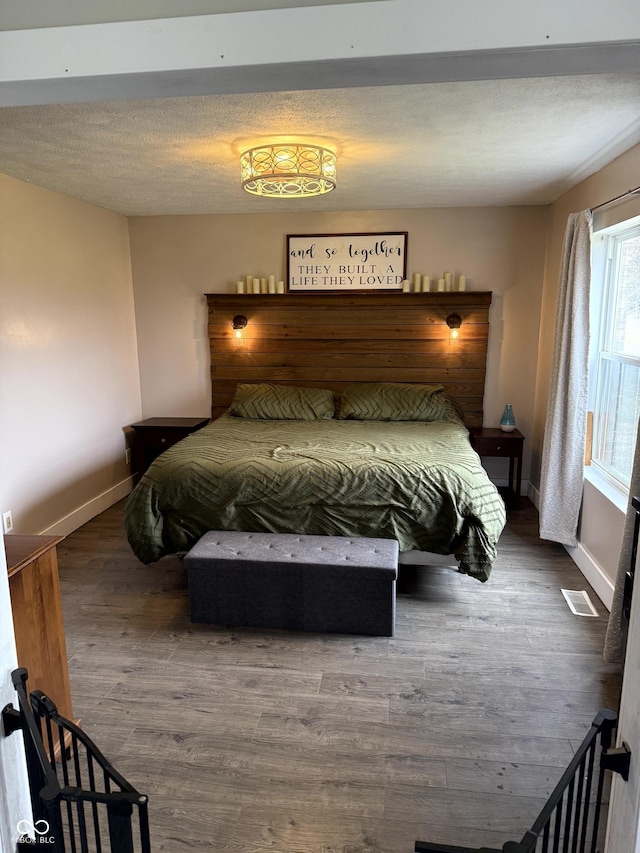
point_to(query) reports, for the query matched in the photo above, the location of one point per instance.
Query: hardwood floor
(455, 730)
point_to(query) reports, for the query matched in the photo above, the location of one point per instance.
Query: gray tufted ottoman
(328, 584)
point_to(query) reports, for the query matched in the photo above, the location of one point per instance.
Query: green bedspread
(419, 483)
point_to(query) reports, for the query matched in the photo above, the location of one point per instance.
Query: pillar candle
(440, 284)
(417, 282)
(256, 285)
(406, 286)
(280, 287)
(249, 281)
(426, 284)
(271, 285)
(462, 282)
(447, 281)
(240, 287)
(263, 285)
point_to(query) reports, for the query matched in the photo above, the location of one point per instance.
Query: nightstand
(487, 441)
(153, 436)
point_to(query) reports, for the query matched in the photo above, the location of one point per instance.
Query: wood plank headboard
(330, 340)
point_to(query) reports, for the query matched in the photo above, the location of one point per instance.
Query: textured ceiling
(496, 142)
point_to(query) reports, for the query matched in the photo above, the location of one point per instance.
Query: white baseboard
(601, 584)
(534, 496)
(75, 519)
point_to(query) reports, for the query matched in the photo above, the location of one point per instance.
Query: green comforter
(419, 483)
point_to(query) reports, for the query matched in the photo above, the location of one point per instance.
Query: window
(616, 364)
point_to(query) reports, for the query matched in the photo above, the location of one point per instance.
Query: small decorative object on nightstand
(155, 435)
(494, 442)
(508, 421)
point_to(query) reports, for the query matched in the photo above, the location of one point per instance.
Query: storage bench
(327, 584)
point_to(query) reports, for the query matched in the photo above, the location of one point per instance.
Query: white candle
(417, 282)
(426, 284)
(249, 279)
(440, 284)
(462, 282)
(263, 285)
(280, 287)
(240, 287)
(256, 285)
(271, 286)
(447, 281)
(406, 286)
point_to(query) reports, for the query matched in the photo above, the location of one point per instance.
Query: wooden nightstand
(153, 436)
(487, 441)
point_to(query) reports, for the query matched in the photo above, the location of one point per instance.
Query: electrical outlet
(127, 456)
(7, 522)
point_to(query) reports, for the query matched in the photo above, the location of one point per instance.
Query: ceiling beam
(386, 42)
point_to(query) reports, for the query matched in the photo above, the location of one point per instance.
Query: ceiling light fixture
(288, 171)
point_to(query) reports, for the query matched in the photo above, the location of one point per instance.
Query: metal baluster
(82, 824)
(94, 806)
(64, 765)
(557, 825)
(588, 783)
(143, 819)
(579, 798)
(567, 820)
(596, 813)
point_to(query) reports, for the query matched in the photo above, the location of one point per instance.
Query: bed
(414, 479)
(417, 482)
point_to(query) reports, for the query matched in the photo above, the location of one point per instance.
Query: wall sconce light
(239, 323)
(454, 321)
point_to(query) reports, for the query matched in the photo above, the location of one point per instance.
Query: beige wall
(602, 522)
(175, 260)
(69, 381)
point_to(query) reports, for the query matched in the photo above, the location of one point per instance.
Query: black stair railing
(81, 804)
(570, 820)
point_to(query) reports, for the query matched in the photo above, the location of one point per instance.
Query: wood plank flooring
(455, 730)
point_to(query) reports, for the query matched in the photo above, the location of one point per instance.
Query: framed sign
(335, 262)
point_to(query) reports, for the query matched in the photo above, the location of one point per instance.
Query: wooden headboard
(330, 340)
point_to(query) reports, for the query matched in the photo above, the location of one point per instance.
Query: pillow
(282, 403)
(393, 401)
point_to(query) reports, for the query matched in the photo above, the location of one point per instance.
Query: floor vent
(579, 602)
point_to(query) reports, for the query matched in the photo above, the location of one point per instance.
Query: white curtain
(616, 634)
(564, 435)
